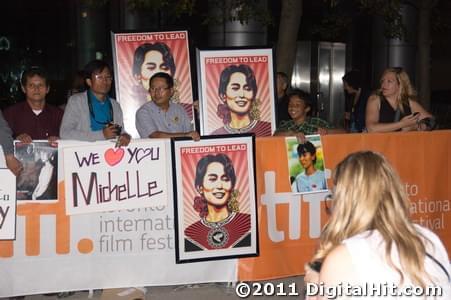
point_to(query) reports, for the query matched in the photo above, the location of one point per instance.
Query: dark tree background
(47, 32)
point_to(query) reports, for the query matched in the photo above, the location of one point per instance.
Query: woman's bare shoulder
(374, 98)
(337, 266)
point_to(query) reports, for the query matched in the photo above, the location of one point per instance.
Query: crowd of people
(370, 214)
(92, 115)
(394, 106)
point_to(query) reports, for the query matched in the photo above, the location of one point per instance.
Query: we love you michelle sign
(105, 178)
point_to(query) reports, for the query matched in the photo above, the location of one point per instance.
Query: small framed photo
(214, 198)
(236, 89)
(306, 166)
(38, 180)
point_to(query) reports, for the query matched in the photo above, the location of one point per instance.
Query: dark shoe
(64, 294)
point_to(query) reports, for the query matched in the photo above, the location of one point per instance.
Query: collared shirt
(151, 118)
(310, 126)
(22, 119)
(309, 183)
(76, 124)
(101, 112)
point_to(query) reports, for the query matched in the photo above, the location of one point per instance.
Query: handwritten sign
(7, 205)
(105, 178)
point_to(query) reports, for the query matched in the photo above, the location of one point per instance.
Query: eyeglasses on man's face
(107, 78)
(158, 89)
(36, 86)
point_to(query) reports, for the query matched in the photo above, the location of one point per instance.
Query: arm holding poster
(6, 141)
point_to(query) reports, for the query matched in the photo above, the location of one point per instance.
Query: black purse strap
(397, 115)
(439, 264)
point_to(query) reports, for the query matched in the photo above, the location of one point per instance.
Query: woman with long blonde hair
(370, 238)
(395, 107)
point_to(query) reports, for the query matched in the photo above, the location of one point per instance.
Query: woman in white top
(370, 239)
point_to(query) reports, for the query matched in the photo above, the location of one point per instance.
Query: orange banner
(76, 248)
(289, 225)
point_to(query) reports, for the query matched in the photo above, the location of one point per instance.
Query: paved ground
(216, 291)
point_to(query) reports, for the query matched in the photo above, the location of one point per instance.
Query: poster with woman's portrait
(137, 56)
(236, 89)
(214, 198)
(38, 180)
(306, 166)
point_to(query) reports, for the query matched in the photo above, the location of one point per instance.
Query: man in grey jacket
(93, 115)
(6, 141)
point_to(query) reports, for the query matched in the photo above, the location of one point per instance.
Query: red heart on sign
(114, 156)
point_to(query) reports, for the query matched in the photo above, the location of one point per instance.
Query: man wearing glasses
(93, 115)
(162, 118)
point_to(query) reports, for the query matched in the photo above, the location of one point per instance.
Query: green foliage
(390, 11)
(96, 3)
(440, 22)
(232, 10)
(337, 16)
(171, 7)
(176, 8)
(333, 24)
(238, 10)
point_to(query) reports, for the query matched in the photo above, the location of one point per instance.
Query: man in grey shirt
(6, 141)
(93, 115)
(161, 118)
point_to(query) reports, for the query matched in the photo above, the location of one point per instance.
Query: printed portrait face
(216, 185)
(389, 84)
(153, 63)
(239, 95)
(306, 160)
(44, 156)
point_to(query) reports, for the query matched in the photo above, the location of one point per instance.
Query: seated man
(34, 119)
(161, 118)
(93, 115)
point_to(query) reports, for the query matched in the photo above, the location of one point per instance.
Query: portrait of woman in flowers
(221, 225)
(239, 107)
